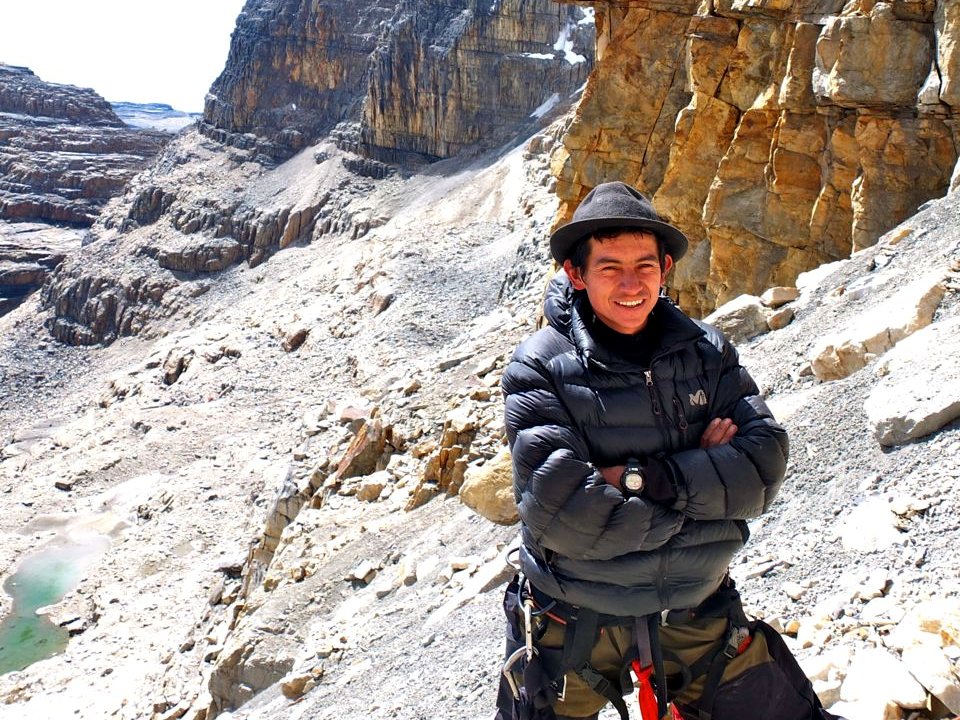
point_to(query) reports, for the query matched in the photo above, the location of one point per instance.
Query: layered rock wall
(63, 154)
(421, 78)
(295, 69)
(451, 74)
(778, 135)
(63, 151)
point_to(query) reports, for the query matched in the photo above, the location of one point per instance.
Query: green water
(42, 579)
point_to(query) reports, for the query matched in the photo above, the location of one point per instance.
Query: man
(640, 448)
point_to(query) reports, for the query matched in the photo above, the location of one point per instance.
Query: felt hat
(615, 205)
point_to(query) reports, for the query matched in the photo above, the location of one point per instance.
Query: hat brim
(564, 238)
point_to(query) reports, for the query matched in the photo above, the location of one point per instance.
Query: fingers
(612, 474)
(718, 432)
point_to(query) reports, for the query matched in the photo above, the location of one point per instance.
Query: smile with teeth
(629, 303)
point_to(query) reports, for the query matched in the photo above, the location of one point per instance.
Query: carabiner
(528, 626)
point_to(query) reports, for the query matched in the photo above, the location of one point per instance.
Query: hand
(720, 431)
(612, 475)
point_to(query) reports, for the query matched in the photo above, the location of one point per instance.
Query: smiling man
(640, 448)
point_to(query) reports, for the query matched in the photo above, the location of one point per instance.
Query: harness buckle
(738, 642)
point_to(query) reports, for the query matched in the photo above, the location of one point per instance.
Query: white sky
(167, 51)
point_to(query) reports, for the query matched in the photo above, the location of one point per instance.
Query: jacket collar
(569, 312)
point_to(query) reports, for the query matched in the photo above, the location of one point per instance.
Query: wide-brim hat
(615, 205)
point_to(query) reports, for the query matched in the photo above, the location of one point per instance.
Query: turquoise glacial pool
(42, 579)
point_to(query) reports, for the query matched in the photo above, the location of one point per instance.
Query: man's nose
(630, 280)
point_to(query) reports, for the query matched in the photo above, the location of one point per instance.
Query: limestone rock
(849, 349)
(870, 526)
(947, 21)
(876, 59)
(930, 666)
(779, 319)
(371, 486)
(873, 708)
(366, 450)
(488, 490)
(245, 667)
(474, 64)
(777, 296)
(777, 135)
(875, 673)
(446, 467)
(296, 684)
(920, 390)
(429, 78)
(742, 318)
(29, 252)
(293, 337)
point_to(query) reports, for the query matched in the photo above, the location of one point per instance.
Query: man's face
(622, 278)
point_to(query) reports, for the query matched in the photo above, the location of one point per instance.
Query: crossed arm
(719, 431)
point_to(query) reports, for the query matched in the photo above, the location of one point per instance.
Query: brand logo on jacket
(698, 398)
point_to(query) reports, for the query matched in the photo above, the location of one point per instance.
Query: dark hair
(581, 250)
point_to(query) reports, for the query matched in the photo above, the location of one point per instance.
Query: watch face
(633, 481)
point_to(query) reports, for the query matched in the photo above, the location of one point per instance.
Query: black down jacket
(573, 405)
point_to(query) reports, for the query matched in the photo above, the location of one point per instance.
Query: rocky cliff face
(778, 135)
(63, 154)
(63, 151)
(424, 78)
(451, 74)
(296, 68)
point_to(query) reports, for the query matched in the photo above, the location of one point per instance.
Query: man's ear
(576, 277)
(667, 265)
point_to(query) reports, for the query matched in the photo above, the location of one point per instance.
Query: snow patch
(564, 44)
(588, 18)
(548, 105)
(539, 56)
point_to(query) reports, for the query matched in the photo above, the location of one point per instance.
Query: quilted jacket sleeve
(738, 480)
(562, 499)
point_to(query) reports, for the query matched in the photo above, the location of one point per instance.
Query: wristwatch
(631, 481)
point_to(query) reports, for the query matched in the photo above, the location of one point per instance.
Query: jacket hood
(569, 312)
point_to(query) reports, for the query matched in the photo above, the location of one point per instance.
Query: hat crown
(611, 206)
(613, 200)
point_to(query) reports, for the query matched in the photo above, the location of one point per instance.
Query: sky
(166, 51)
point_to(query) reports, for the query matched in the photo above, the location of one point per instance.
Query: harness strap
(725, 603)
(718, 663)
(579, 637)
(653, 629)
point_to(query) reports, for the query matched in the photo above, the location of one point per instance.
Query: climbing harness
(543, 670)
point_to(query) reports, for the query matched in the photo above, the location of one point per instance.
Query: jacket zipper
(660, 421)
(680, 414)
(648, 374)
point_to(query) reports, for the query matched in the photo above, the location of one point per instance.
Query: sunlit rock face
(777, 134)
(426, 78)
(453, 73)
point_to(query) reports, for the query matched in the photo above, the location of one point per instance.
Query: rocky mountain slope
(301, 394)
(277, 466)
(410, 79)
(63, 150)
(297, 70)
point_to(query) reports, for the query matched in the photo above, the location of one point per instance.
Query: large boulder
(920, 391)
(488, 490)
(845, 351)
